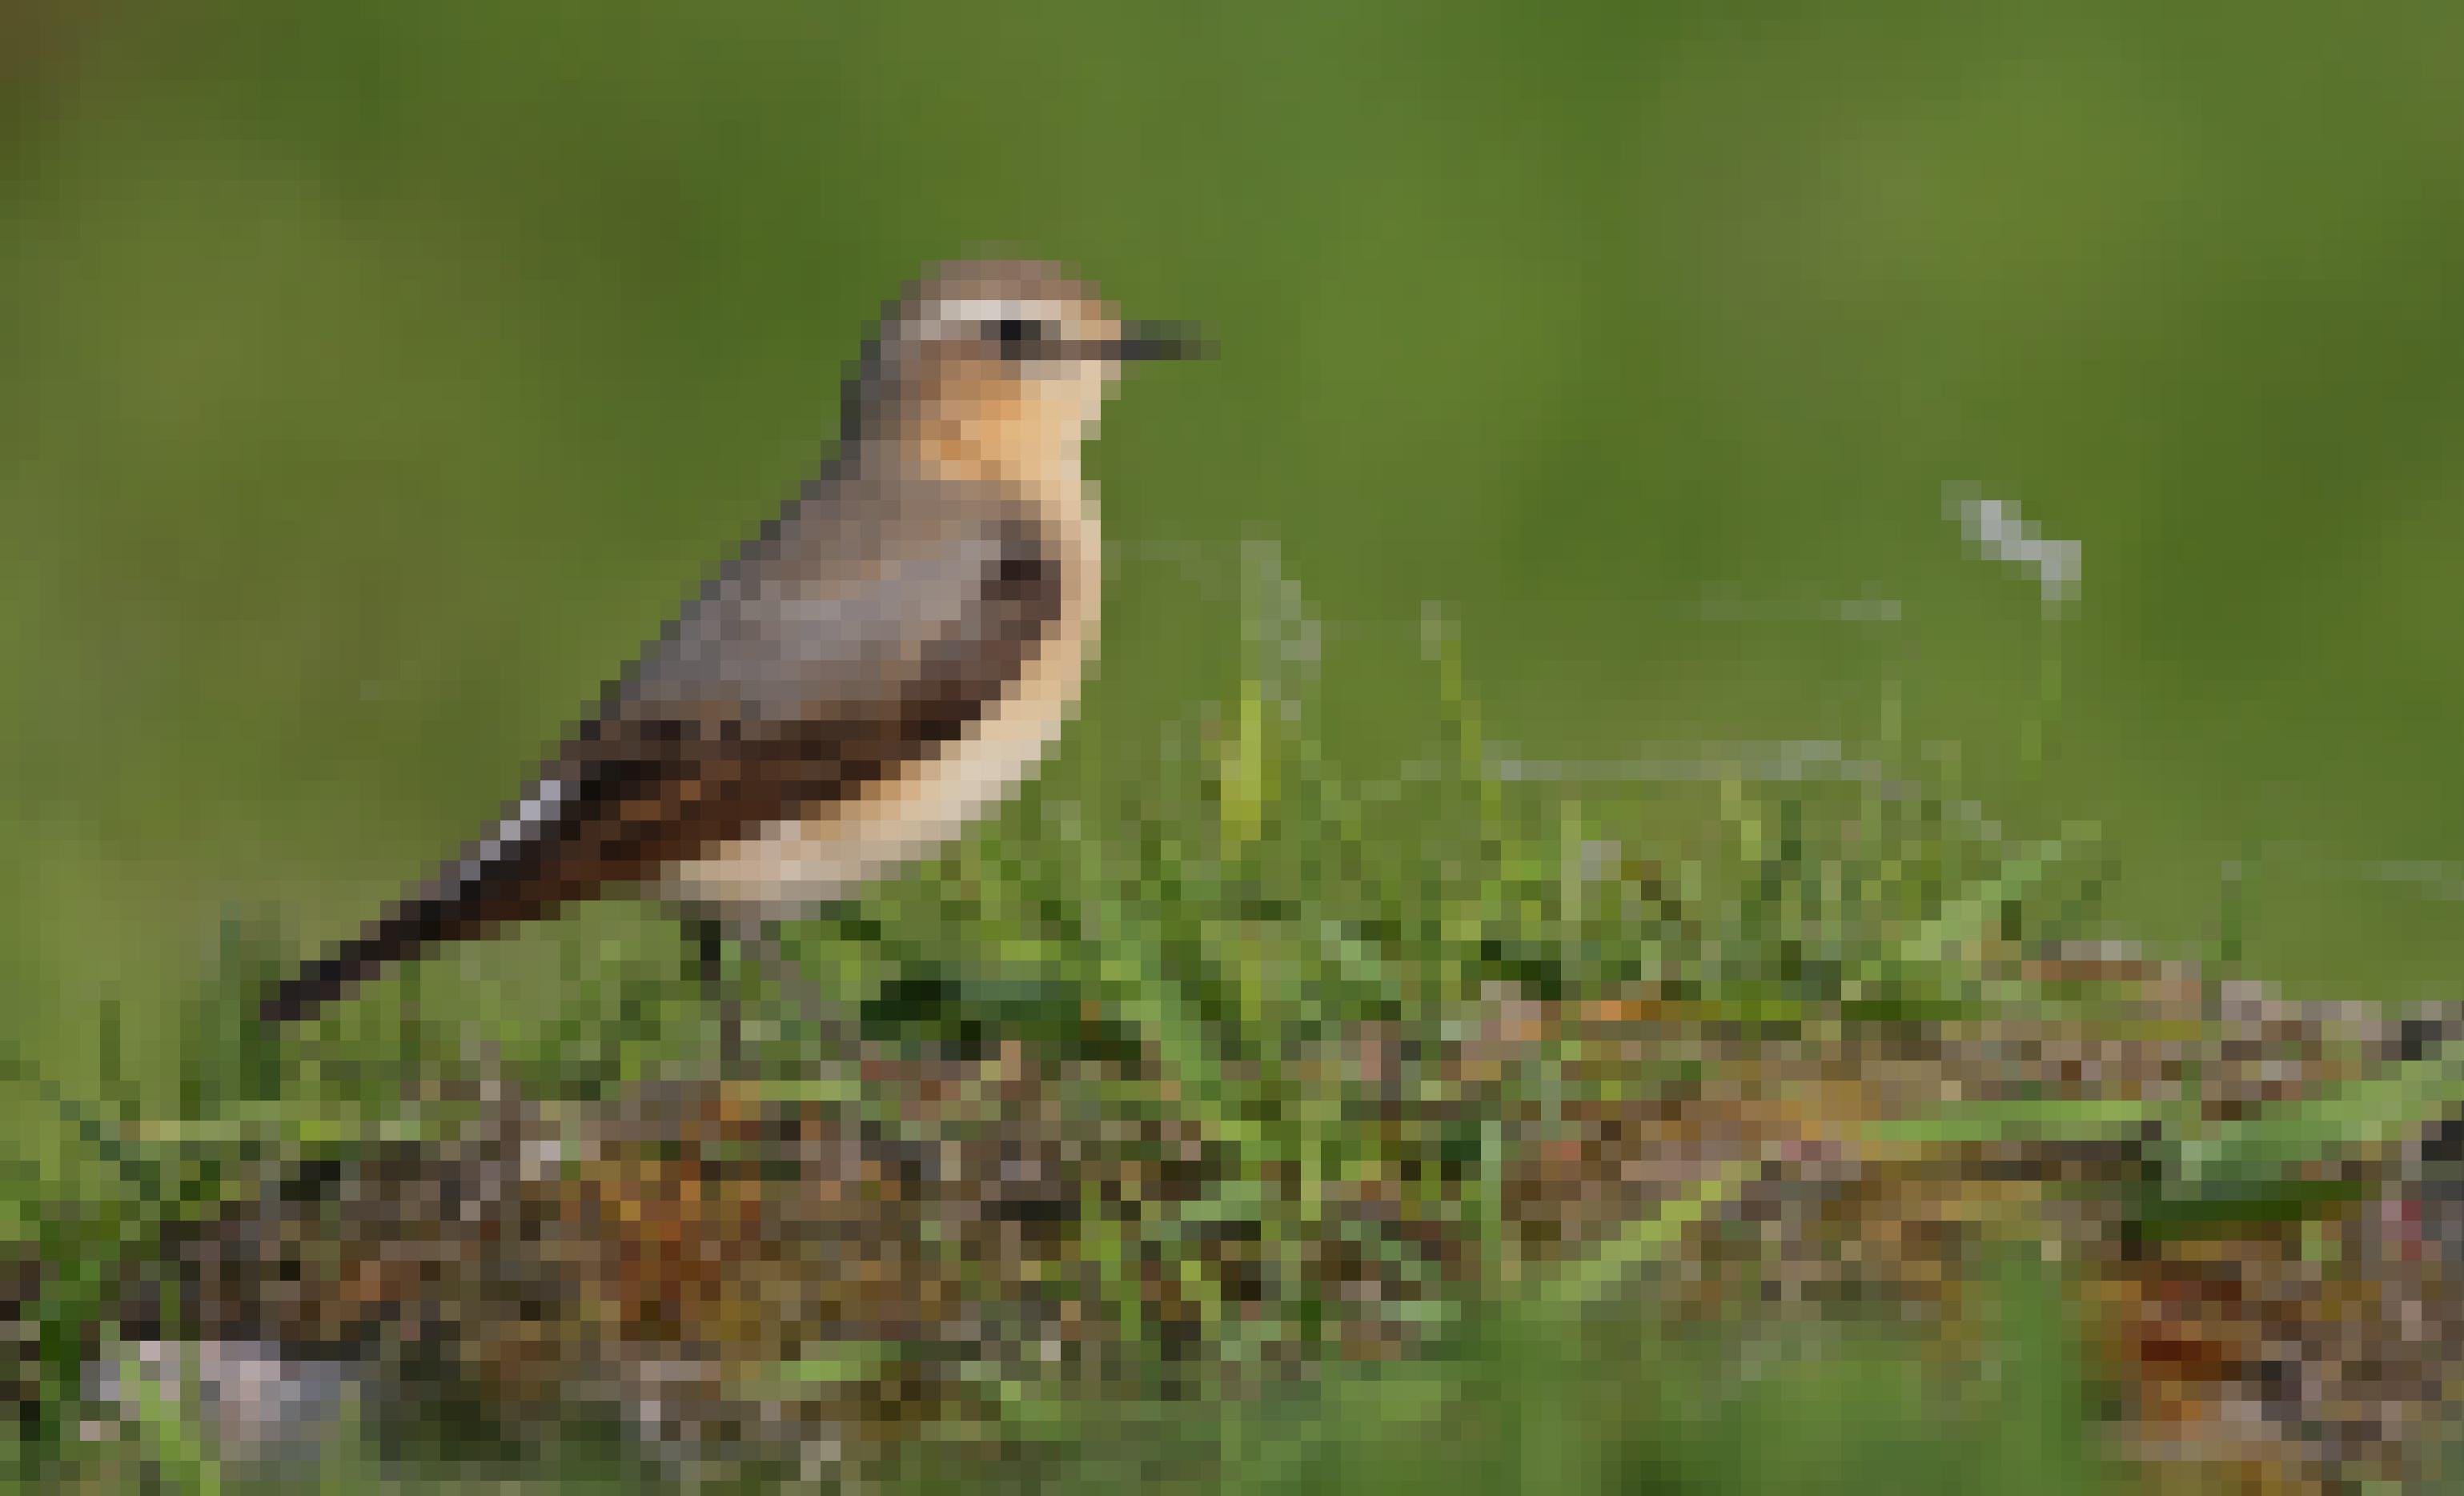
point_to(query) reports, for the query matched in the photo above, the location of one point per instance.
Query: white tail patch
(518, 830)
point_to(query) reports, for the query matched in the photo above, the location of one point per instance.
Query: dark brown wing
(783, 690)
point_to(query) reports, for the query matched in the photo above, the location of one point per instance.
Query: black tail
(512, 876)
(402, 933)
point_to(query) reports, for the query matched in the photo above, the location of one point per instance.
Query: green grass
(1198, 946)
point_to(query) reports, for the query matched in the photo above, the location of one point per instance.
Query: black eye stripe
(1020, 337)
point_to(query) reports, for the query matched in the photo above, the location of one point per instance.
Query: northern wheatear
(886, 659)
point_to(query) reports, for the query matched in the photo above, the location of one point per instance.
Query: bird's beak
(1158, 340)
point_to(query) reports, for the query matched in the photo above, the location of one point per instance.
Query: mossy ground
(1235, 1122)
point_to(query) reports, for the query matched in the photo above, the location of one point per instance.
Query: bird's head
(994, 369)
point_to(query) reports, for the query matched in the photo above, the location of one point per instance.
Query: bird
(886, 659)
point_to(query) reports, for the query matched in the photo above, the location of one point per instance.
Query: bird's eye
(1018, 337)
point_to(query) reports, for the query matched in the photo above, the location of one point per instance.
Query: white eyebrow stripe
(964, 312)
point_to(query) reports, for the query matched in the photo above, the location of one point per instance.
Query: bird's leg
(708, 939)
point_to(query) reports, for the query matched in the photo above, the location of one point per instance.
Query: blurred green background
(374, 377)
